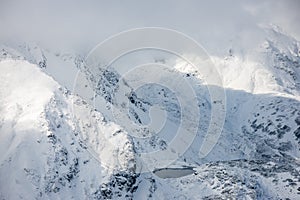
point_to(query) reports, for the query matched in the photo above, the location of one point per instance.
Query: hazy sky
(82, 24)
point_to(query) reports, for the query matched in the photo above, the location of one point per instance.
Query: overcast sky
(85, 23)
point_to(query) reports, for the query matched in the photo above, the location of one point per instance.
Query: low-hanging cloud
(217, 25)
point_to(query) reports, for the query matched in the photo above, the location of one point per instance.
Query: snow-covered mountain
(205, 104)
(56, 144)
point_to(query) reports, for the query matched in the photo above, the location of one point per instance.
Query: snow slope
(45, 147)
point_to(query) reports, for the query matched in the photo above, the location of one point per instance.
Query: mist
(80, 25)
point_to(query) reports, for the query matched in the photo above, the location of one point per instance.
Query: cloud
(217, 25)
(284, 13)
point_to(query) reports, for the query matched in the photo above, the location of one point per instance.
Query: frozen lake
(173, 172)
